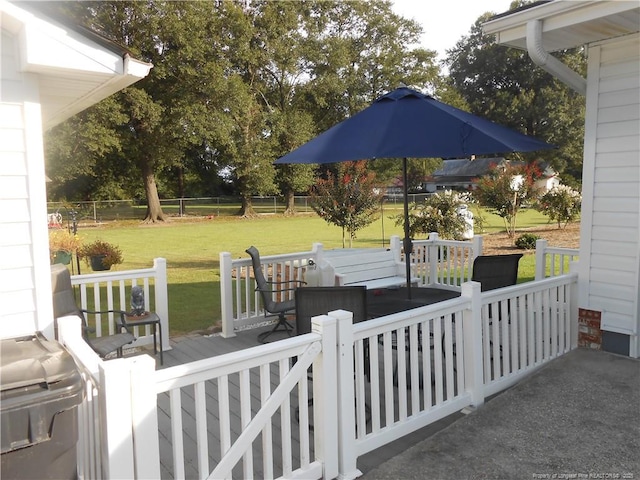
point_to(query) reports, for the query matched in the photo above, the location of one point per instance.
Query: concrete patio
(578, 417)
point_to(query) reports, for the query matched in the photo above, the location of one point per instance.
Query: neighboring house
(463, 174)
(49, 72)
(609, 267)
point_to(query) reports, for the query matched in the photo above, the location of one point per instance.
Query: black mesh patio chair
(269, 291)
(496, 271)
(314, 301)
(64, 303)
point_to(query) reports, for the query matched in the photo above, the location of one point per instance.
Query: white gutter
(548, 62)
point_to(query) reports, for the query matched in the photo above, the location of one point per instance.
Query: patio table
(385, 301)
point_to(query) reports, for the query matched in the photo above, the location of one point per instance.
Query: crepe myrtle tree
(506, 188)
(561, 204)
(348, 199)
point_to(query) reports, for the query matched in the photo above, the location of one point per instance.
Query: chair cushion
(105, 345)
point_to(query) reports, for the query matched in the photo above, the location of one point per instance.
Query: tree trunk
(246, 208)
(154, 209)
(290, 208)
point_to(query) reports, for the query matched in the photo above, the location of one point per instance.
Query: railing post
(472, 333)
(68, 327)
(116, 418)
(433, 258)
(573, 306)
(226, 295)
(162, 299)
(396, 247)
(325, 395)
(145, 418)
(477, 248)
(347, 455)
(541, 254)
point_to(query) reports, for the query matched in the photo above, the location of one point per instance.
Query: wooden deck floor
(191, 348)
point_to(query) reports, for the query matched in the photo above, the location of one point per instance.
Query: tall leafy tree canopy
(504, 85)
(234, 86)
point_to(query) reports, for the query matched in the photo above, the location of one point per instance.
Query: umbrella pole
(408, 247)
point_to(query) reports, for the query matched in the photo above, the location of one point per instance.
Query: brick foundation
(589, 333)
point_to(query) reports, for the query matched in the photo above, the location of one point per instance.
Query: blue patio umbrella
(405, 124)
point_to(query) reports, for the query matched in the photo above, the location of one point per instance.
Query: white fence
(112, 291)
(117, 421)
(437, 262)
(405, 371)
(553, 261)
(443, 263)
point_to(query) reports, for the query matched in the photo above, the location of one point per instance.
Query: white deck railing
(202, 393)
(553, 261)
(117, 421)
(405, 371)
(112, 291)
(437, 262)
(443, 263)
(240, 301)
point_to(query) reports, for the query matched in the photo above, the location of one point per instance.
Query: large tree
(324, 61)
(234, 86)
(504, 85)
(172, 110)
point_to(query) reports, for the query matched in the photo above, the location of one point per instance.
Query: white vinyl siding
(25, 305)
(613, 139)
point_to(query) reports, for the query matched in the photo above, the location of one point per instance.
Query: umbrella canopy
(405, 124)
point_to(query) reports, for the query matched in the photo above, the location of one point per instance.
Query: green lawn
(192, 249)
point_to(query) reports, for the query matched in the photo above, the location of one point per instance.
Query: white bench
(378, 269)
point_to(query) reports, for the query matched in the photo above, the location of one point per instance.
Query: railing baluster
(267, 432)
(505, 341)
(285, 415)
(426, 363)
(176, 433)
(245, 418)
(448, 356)
(374, 366)
(224, 413)
(437, 359)
(486, 343)
(388, 379)
(414, 368)
(201, 429)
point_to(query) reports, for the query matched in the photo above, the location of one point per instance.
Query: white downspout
(548, 62)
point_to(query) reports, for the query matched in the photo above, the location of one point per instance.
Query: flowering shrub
(561, 204)
(348, 199)
(437, 213)
(112, 253)
(506, 188)
(63, 241)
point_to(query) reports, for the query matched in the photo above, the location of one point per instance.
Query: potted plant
(62, 244)
(100, 255)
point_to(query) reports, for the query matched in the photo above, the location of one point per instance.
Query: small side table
(147, 318)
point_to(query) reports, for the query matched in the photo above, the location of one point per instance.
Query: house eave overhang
(567, 24)
(73, 71)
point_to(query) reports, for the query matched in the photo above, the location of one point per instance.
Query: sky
(445, 21)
